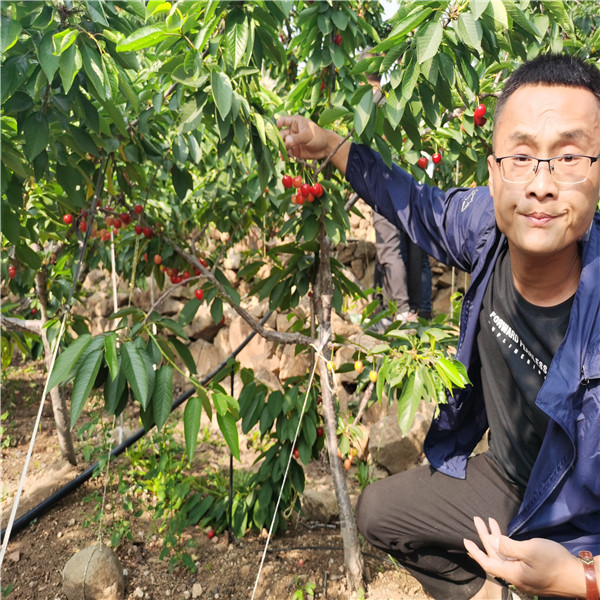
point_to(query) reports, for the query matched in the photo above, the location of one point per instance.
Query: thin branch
(363, 402)
(22, 325)
(269, 334)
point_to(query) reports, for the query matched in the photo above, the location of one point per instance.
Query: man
(530, 340)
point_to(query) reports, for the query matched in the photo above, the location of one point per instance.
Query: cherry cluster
(478, 117)
(304, 191)
(436, 159)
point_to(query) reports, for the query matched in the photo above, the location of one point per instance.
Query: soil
(36, 556)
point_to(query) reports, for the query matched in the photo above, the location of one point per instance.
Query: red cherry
(12, 271)
(117, 223)
(319, 432)
(83, 226)
(337, 39)
(67, 219)
(287, 181)
(296, 453)
(222, 321)
(422, 162)
(196, 271)
(299, 197)
(139, 209)
(138, 229)
(480, 121)
(310, 197)
(479, 111)
(125, 218)
(297, 181)
(317, 190)
(147, 232)
(211, 534)
(157, 259)
(199, 294)
(436, 158)
(322, 87)
(305, 189)
(203, 262)
(174, 279)
(34, 311)
(185, 275)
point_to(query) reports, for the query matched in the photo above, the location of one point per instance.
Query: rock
(196, 590)
(319, 505)
(396, 451)
(14, 556)
(94, 573)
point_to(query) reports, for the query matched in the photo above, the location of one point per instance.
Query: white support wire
(310, 382)
(15, 505)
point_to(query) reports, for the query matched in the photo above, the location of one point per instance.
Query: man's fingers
(486, 538)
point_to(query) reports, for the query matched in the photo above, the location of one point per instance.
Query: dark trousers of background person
(421, 516)
(402, 271)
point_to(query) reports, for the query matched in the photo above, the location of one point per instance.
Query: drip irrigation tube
(49, 502)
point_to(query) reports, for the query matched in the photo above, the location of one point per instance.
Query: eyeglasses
(567, 168)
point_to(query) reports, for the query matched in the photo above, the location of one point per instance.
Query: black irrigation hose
(49, 502)
(335, 548)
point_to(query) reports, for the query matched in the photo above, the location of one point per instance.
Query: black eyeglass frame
(499, 160)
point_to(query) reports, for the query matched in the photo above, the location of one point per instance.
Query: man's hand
(306, 140)
(536, 566)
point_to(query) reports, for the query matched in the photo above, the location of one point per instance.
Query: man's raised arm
(306, 140)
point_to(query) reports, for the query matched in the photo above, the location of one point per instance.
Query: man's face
(543, 218)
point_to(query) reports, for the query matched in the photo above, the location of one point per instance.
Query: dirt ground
(308, 552)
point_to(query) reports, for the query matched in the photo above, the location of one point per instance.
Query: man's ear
(492, 171)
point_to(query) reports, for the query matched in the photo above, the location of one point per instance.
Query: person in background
(402, 270)
(529, 339)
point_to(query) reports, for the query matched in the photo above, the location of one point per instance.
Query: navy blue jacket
(458, 228)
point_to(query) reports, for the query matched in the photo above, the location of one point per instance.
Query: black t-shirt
(516, 343)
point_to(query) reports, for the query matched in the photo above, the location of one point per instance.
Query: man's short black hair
(552, 69)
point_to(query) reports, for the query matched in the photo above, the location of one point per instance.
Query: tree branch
(269, 334)
(22, 325)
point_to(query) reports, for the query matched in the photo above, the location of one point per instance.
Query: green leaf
(451, 372)
(182, 181)
(14, 73)
(84, 380)
(9, 33)
(114, 390)
(362, 113)
(191, 424)
(135, 371)
(94, 69)
(67, 360)
(110, 352)
(409, 401)
(63, 40)
(69, 65)
(222, 92)
(236, 36)
(418, 15)
(228, 428)
(329, 115)
(143, 38)
(429, 40)
(48, 60)
(478, 8)
(185, 354)
(36, 133)
(469, 31)
(162, 398)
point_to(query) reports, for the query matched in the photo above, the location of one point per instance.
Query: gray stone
(396, 451)
(319, 505)
(94, 573)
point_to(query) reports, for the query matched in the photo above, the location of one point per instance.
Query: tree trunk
(352, 555)
(59, 405)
